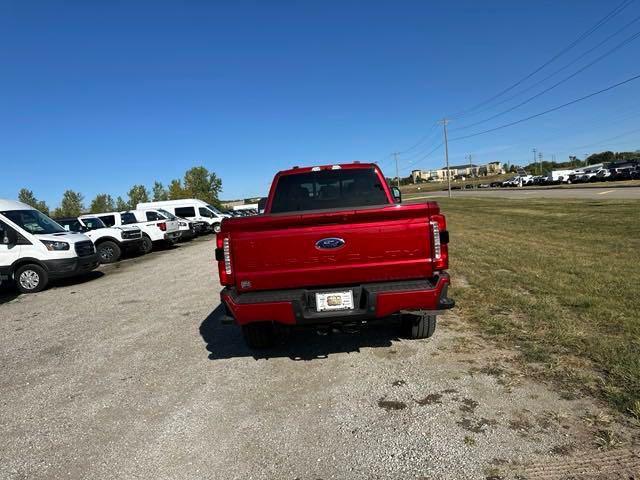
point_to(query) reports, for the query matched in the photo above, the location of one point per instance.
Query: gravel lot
(129, 374)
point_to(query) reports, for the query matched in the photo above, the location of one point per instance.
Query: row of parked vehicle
(35, 248)
(599, 173)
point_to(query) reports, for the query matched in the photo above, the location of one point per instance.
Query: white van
(155, 228)
(35, 249)
(191, 209)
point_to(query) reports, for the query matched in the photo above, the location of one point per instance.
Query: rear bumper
(371, 301)
(69, 267)
(172, 236)
(187, 234)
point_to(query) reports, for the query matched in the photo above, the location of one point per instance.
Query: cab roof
(13, 205)
(335, 166)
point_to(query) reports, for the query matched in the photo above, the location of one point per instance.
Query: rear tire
(147, 245)
(259, 335)
(419, 326)
(109, 252)
(216, 228)
(31, 278)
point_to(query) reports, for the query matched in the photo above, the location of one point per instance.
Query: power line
(421, 151)
(560, 69)
(389, 157)
(586, 34)
(422, 139)
(426, 156)
(530, 117)
(539, 94)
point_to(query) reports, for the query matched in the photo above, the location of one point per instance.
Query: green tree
(27, 196)
(121, 205)
(602, 157)
(71, 205)
(176, 192)
(202, 184)
(102, 203)
(159, 192)
(138, 194)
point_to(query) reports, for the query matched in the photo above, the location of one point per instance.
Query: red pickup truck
(334, 248)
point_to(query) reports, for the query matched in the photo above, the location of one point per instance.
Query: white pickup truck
(110, 242)
(154, 229)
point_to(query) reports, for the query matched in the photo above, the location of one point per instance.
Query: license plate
(334, 301)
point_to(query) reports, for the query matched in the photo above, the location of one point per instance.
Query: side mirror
(262, 204)
(397, 194)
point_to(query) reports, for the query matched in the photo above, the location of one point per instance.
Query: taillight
(226, 249)
(223, 256)
(162, 226)
(439, 242)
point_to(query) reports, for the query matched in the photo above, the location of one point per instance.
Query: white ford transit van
(34, 249)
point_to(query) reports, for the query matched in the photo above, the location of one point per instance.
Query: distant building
(231, 203)
(457, 171)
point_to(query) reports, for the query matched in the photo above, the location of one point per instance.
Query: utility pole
(540, 162)
(444, 122)
(469, 157)
(535, 158)
(395, 156)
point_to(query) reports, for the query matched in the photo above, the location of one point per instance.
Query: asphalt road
(587, 193)
(128, 374)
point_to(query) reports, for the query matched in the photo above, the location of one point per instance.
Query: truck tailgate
(380, 244)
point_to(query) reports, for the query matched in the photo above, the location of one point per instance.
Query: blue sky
(99, 95)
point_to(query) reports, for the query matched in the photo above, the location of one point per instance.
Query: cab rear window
(327, 189)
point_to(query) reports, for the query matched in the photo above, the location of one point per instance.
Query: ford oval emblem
(329, 243)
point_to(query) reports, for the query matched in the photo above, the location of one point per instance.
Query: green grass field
(559, 281)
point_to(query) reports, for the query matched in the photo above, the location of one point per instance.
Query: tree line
(198, 182)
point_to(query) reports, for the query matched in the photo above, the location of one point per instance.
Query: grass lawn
(559, 280)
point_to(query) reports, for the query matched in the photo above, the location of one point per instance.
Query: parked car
(511, 182)
(190, 208)
(35, 249)
(558, 176)
(110, 242)
(154, 228)
(622, 173)
(601, 175)
(342, 251)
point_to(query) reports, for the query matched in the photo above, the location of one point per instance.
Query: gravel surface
(129, 374)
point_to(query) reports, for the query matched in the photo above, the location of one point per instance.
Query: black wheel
(419, 326)
(31, 278)
(108, 251)
(216, 228)
(259, 335)
(147, 245)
